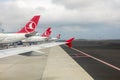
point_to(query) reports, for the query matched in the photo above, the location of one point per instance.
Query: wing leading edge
(20, 50)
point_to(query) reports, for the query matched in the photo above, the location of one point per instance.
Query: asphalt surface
(23, 67)
(54, 64)
(107, 69)
(60, 66)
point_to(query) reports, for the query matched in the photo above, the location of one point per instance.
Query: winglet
(47, 32)
(31, 25)
(69, 42)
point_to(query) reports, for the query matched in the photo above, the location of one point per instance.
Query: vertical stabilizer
(47, 33)
(31, 25)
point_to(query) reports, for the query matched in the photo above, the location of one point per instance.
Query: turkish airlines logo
(47, 33)
(30, 27)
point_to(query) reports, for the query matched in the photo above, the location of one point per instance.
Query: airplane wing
(20, 50)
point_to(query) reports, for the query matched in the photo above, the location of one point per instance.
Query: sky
(82, 19)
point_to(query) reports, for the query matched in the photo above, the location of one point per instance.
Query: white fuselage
(35, 39)
(11, 37)
(53, 39)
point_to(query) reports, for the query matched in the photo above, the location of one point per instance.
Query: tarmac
(55, 64)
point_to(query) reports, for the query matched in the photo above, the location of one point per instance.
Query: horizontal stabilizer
(30, 34)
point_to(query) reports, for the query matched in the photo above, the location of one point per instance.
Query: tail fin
(47, 32)
(58, 36)
(69, 42)
(31, 25)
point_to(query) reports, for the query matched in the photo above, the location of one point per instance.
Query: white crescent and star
(30, 26)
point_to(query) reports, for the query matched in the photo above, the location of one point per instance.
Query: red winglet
(69, 42)
(31, 25)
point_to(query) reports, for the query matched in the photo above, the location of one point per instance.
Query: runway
(101, 63)
(93, 63)
(56, 64)
(23, 67)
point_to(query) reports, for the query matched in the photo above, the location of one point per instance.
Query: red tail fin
(31, 25)
(47, 32)
(69, 42)
(58, 36)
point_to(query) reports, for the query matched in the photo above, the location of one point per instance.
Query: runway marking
(108, 64)
(78, 55)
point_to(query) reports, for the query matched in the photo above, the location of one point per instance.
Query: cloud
(79, 18)
(73, 4)
(15, 14)
(74, 29)
(77, 4)
(91, 11)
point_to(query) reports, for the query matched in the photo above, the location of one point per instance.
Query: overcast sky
(84, 19)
